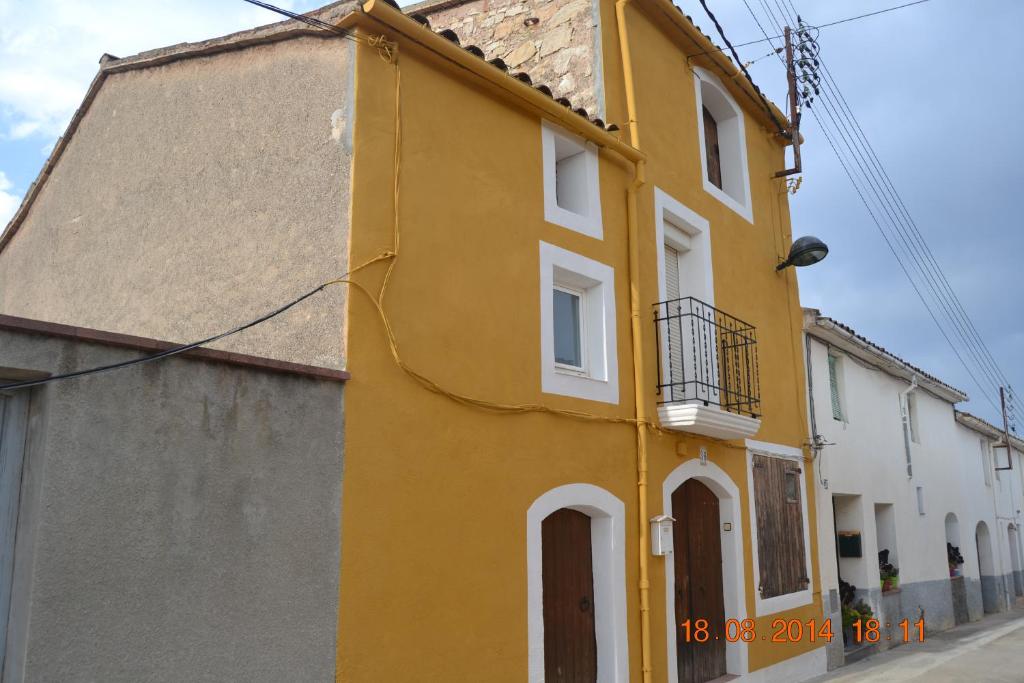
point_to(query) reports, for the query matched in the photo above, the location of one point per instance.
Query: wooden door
(570, 643)
(714, 157)
(697, 544)
(13, 417)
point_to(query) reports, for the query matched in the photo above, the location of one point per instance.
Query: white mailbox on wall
(661, 534)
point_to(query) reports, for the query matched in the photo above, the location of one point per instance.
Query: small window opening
(792, 486)
(920, 500)
(711, 149)
(568, 328)
(571, 191)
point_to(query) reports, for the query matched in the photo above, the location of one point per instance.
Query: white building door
(13, 418)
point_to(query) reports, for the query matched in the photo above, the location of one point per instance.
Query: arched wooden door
(570, 642)
(697, 550)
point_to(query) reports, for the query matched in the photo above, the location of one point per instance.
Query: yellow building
(574, 416)
(496, 514)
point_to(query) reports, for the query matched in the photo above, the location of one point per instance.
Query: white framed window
(572, 197)
(608, 557)
(684, 270)
(723, 144)
(834, 368)
(777, 482)
(577, 326)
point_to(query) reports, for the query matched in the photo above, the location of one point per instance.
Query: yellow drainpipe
(639, 387)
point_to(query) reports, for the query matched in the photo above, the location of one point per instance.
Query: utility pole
(794, 107)
(1006, 432)
(802, 57)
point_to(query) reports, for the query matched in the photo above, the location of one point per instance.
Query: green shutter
(833, 383)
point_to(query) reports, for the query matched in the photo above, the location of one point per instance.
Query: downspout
(905, 414)
(639, 388)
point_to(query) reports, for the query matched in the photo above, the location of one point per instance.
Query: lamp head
(805, 251)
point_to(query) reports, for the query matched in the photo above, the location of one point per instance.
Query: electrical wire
(877, 183)
(768, 38)
(767, 106)
(184, 347)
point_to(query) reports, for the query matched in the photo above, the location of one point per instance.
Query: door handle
(585, 605)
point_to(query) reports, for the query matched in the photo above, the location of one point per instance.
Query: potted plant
(887, 573)
(956, 560)
(852, 614)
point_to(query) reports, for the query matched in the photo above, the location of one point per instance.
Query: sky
(937, 89)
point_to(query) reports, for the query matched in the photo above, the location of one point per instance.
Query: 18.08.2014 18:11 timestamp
(795, 630)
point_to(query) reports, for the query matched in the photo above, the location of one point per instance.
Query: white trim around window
(572, 191)
(779, 603)
(608, 542)
(732, 141)
(598, 379)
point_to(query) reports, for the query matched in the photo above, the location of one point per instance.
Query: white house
(898, 469)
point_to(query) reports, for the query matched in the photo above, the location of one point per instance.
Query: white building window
(723, 144)
(572, 195)
(920, 500)
(606, 517)
(577, 326)
(834, 388)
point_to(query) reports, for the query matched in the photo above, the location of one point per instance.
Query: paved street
(989, 651)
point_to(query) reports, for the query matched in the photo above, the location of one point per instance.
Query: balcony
(707, 370)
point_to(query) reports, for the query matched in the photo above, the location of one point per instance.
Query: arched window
(723, 144)
(576, 585)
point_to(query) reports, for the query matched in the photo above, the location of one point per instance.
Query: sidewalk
(986, 651)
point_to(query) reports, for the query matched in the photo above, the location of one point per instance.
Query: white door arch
(735, 599)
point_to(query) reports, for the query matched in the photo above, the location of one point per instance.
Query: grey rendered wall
(195, 196)
(181, 521)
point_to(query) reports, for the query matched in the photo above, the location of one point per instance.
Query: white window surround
(779, 603)
(733, 584)
(686, 230)
(690, 234)
(732, 143)
(608, 542)
(580, 208)
(600, 381)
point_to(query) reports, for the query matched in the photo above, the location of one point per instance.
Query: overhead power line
(873, 182)
(768, 38)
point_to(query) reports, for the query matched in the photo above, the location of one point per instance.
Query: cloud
(49, 49)
(8, 202)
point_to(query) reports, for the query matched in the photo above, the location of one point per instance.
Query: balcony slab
(697, 418)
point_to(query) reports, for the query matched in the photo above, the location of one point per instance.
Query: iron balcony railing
(706, 356)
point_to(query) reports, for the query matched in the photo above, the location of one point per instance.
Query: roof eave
(828, 330)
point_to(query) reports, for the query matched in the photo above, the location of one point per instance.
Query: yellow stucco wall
(433, 575)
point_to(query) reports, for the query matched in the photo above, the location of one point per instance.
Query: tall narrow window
(711, 149)
(567, 308)
(833, 383)
(780, 526)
